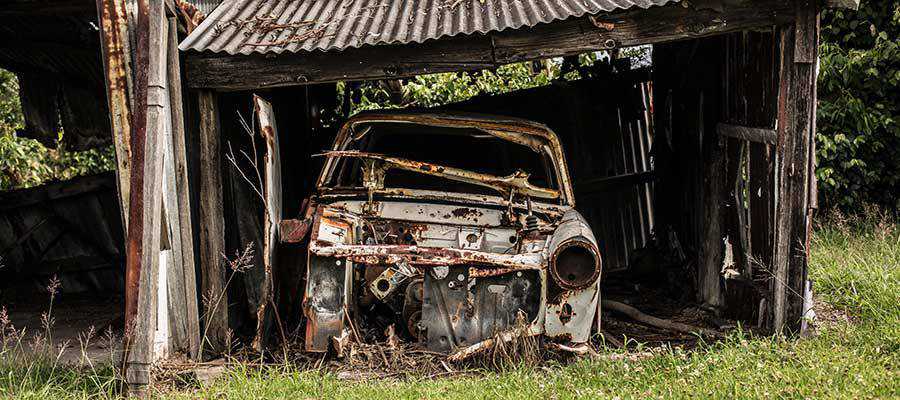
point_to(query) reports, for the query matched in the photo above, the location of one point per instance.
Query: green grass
(856, 270)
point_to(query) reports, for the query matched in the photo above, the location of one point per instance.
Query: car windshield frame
(530, 134)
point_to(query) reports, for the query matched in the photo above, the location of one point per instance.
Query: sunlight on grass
(856, 266)
(856, 269)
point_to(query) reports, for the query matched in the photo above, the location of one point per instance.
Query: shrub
(858, 140)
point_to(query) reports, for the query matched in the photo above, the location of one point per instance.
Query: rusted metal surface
(527, 133)
(294, 230)
(276, 26)
(114, 38)
(452, 268)
(388, 254)
(133, 247)
(194, 12)
(515, 183)
(460, 310)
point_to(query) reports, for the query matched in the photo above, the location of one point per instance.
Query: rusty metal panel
(460, 310)
(276, 26)
(324, 301)
(205, 6)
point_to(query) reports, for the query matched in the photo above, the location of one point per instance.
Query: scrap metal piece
(458, 313)
(390, 280)
(324, 301)
(516, 182)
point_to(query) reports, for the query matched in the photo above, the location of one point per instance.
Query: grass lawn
(856, 271)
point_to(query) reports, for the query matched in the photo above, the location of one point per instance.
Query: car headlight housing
(575, 264)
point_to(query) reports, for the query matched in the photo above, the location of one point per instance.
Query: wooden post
(712, 246)
(183, 308)
(212, 224)
(265, 115)
(146, 198)
(114, 44)
(796, 121)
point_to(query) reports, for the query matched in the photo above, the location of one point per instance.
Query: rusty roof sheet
(276, 26)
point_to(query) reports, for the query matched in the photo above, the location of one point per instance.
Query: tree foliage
(858, 141)
(25, 162)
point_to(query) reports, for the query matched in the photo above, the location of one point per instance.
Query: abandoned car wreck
(257, 210)
(456, 265)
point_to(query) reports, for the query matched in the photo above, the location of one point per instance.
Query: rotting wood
(146, 213)
(113, 35)
(137, 369)
(757, 135)
(265, 116)
(655, 25)
(171, 221)
(188, 340)
(795, 134)
(212, 224)
(639, 316)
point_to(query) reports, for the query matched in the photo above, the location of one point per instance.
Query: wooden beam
(757, 135)
(212, 225)
(183, 311)
(113, 38)
(146, 214)
(796, 122)
(479, 51)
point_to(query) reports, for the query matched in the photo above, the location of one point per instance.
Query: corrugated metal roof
(276, 26)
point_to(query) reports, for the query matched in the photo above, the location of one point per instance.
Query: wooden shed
(728, 105)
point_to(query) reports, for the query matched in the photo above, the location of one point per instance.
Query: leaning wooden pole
(146, 194)
(186, 316)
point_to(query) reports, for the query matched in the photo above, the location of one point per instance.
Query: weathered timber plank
(113, 35)
(265, 116)
(374, 62)
(806, 42)
(212, 224)
(635, 27)
(139, 354)
(805, 111)
(479, 51)
(757, 135)
(792, 213)
(188, 339)
(171, 223)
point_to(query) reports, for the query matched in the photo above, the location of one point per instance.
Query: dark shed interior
(682, 207)
(63, 237)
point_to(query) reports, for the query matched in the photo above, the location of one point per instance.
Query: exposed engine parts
(449, 256)
(447, 285)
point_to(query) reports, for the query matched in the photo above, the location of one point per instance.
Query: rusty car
(457, 229)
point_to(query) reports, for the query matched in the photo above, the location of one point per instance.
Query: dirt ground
(82, 327)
